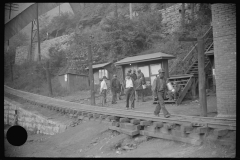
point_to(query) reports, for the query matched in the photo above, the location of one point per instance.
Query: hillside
(154, 27)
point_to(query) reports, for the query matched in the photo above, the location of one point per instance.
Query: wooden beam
(202, 78)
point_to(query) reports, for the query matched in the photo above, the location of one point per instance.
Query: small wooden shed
(72, 78)
(149, 65)
(100, 70)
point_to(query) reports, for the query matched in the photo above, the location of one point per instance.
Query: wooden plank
(185, 90)
(171, 137)
(124, 120)
(146, 123)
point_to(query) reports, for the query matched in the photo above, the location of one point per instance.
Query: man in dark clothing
(118, 92)
(159, 89)
(114, 89)
(142, 76)
(130, 71)
(143, 82)
(129, 90)
(133, 75)
(139, 88)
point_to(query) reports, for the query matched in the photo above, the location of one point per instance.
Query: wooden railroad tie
(135, 121)
(130, 126)
(125, 131)
(114, 118)
(122, 120)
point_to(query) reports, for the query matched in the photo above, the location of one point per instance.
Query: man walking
(103, 91)
(114, 89)
(160, 89)
(129, 88)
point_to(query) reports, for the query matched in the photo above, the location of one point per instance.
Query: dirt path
(93, 139)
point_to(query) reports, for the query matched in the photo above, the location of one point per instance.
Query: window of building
(103, 72)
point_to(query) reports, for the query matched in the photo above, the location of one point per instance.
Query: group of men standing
(134, 84)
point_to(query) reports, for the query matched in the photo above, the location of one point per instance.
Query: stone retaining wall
(30, 121)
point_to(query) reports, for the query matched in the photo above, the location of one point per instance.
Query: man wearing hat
(133, 75)
(143, 82)
(159, 89)
(103, 90)
(114, 89)
(129, 89)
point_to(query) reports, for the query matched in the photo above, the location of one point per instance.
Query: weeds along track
(189, 129)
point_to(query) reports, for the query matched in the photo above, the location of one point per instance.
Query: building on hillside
(149, 65)
(224, 38)
(71, 78)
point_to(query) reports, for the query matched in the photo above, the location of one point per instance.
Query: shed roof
(145, 58)
(95, 66)
(71, 68)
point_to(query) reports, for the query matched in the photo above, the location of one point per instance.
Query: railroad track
(189, 129)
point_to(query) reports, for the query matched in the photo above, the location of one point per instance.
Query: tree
(19, 39)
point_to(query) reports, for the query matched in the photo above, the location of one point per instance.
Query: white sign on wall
(155, 68)
(213, 71)
(65, 77)
(144, 70)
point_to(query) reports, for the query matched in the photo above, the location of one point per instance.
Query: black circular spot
(17, 135)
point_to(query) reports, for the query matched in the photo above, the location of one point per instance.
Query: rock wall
(22, 53)
(172, 17)
(30, 121)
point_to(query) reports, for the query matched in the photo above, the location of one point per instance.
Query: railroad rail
(189, 129)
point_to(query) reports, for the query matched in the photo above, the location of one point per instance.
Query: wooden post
(91, 78)
(202, 78)
(193, 88)
(39, 49)
(48, 78)
(130, 10)
(183, 15)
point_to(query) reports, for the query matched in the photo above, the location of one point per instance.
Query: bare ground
(93, 139)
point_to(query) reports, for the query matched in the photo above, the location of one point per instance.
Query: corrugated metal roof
(144, 58)
(99, 65)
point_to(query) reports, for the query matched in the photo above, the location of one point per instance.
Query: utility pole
(48, 78)
(130, 9)
(91, 78)
(11, 7)
(39, 43)
(202, 78)
(201, 74)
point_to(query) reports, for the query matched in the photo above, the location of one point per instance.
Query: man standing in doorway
(103, 91)
(160, 89)
(143, 82)
(129, 88)
(114, 89)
